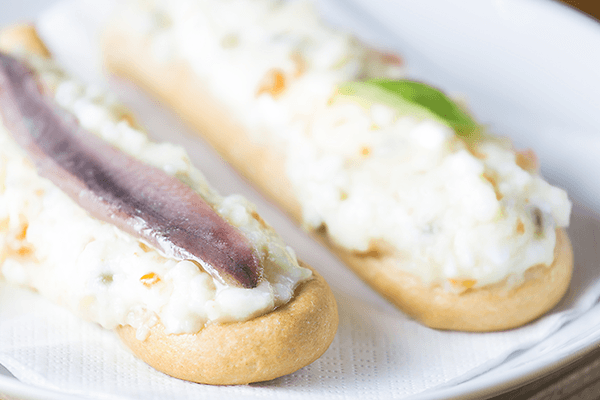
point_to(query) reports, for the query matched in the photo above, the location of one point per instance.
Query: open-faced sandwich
(126, 232)
(448, 222)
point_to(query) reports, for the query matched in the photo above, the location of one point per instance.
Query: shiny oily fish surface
(86, 258)
(119, 189)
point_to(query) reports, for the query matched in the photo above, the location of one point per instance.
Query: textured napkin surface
(378, 352)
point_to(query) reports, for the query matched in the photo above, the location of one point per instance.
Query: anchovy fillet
(120, 189)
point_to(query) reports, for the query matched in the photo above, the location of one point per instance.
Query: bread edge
(267, 347)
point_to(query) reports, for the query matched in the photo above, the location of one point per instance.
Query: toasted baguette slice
(494, 307)
(261, 348)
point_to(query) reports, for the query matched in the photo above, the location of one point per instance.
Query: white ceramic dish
(528, 67)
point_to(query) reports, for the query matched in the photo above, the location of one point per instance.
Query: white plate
(528, 67)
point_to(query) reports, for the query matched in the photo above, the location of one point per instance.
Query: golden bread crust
(490, 308)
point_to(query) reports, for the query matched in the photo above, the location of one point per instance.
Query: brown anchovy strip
(117, 188)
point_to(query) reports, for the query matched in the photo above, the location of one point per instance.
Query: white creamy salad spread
(460, 211)
(272, 61)
(104, 274)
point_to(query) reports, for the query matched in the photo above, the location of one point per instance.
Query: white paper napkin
(378, 353)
